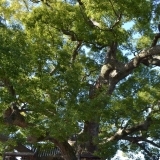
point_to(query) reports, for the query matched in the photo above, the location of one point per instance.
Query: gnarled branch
(139, 139)
(122, 133)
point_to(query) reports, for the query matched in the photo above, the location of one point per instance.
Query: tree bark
(67, 150)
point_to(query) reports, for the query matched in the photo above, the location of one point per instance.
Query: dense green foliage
(52, 52)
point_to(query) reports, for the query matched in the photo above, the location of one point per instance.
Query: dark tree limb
(140, 139)
(122, 133)
(145, 150)
(3, 138)
(12, 114)
(9, 86)
(152, 60)
(74, 37)
(80, 2)
(143, 126)
(119, 73)
(46, 2)
(26, 5)
(13, 117)
(113, 8)
(118, 15)
(117, 21)
(65, 148)
(35, 1)
(159, 27)
(75, 52)
(111, 53)
(71, 34)
(89, 21)
(85, 17)
(155, 40)
(91, 129)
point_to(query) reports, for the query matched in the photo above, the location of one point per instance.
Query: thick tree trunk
(91, 129)
(66, 150)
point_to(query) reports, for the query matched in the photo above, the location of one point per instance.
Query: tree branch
(26, 5)
(80, 2)
(155, 40)
(63, 145)
(74, 37)
(152, 60)
(120, 71)
(35, 1)
(119, 16)
(75, 52)
(9, 86)
(138, 139)
(117, 21)
(122, 133)
(146, 53)
(111, 54)
(71, 34)
(142, 147)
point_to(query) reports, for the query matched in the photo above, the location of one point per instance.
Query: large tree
(81, 74)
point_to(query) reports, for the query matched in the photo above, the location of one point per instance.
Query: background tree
(73, 71)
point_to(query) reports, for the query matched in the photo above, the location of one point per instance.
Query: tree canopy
(81, 75)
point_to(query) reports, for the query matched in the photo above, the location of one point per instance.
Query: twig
(113, 8)
(118, 21)
(25, 3)
(119, 16)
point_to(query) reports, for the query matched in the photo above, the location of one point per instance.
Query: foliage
(43, 69)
